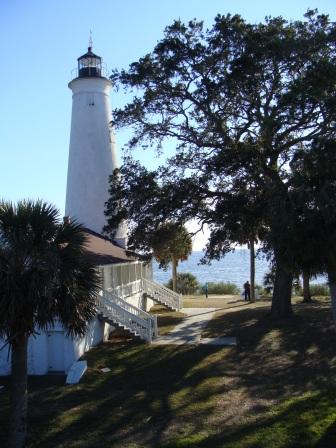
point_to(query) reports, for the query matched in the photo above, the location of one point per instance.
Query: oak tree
(238, 101)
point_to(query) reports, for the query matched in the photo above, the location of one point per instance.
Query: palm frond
(44, 273)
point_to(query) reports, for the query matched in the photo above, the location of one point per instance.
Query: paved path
(190, 329)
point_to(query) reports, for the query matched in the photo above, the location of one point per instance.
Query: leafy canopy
(313, 197)
(171, 242)
(239, 101)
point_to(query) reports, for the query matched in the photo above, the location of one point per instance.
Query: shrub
(221, 288)
(259, 288)
(268, 282)
(320, 289)
(186, 283)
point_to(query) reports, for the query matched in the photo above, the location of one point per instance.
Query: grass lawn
(276, 389)
(166, 318)
(218, 301)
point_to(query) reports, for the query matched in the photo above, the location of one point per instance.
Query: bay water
(233, 268)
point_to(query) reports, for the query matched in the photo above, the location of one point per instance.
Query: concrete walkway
(190, 329)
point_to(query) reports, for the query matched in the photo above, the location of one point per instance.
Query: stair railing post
(150, 330)
(180, 302)
(156, 332)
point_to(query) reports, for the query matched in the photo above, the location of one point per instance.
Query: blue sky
(40, 43)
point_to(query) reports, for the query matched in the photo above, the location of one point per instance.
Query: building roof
(89, 54)
(102, 251)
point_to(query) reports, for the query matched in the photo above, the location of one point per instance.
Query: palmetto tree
(171, 243)
(44, 277)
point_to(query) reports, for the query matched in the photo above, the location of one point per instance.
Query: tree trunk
(252, 270)
(306, 289)
(174, 274)
(282, 293)
(18, 393)
(332, 287)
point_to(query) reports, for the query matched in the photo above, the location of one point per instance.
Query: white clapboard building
(127, 290)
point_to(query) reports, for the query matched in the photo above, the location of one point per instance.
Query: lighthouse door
(56, 351)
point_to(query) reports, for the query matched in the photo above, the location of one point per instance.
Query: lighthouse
(92, 151)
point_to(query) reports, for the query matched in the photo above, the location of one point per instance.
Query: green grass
(219, 301)
(276, 389)
(166, 318)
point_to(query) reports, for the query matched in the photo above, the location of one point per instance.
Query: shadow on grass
(276, 388)
(295, 423)
(280, 356)
(167, 319)
(126, 404)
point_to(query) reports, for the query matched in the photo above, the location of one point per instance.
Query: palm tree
(44, 276)
(171, 243)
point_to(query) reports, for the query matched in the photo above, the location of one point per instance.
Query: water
(233, 268)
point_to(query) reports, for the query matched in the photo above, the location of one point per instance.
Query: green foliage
(44, 274)
(268, 281)
(44, 277)
(244, 104)
(314, 198)
(221, 288)
(171, 242)
(319, 289)
(186, 283)
(259, 288)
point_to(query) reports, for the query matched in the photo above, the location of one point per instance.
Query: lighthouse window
(89, 62)
(89, 65)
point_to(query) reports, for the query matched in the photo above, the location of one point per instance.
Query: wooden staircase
(133, 320)
(162, 295)
(129, 318)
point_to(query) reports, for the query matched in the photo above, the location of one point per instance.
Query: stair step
(162, 302)
(133, 321)
(122, 327)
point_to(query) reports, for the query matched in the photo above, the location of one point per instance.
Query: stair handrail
(119, 315)
(128, 289)
(111, 295)
(130, 316)
(170, 297)
(116, 314)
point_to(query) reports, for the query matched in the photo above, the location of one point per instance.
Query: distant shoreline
(233, 268)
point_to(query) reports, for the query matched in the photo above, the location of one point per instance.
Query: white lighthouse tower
(92, 152)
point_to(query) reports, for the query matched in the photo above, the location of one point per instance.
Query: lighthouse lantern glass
(89, 65)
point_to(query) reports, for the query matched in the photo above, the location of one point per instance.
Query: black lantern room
(89, 65)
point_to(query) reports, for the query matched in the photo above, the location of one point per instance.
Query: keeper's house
(127, 291)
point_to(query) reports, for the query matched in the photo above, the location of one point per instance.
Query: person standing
(206, 290)
(247, 290)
